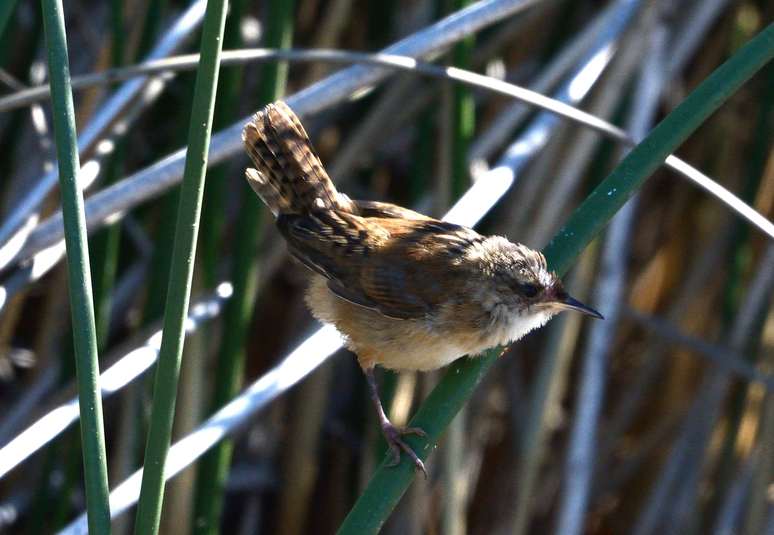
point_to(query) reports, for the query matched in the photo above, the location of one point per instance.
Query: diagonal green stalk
(388, 484)
(214, 466)
(79, 277)
(213, 211)
(181, 271)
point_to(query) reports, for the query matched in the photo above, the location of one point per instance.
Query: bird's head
(524, 282)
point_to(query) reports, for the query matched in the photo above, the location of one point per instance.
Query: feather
(373, 254)
(288, 171)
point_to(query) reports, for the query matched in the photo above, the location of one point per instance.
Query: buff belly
(391, 343)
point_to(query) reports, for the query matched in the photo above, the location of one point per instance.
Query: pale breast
(392, 343)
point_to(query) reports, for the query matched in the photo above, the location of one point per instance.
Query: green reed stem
(181, 271)
(213, 214)
(79, 276)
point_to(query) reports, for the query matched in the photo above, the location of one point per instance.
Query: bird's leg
(391, 433)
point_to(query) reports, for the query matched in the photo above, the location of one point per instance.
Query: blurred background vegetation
(660, 420)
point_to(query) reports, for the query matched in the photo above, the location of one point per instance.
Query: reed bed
(657, 420)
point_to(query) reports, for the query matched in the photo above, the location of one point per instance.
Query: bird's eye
(528, 290)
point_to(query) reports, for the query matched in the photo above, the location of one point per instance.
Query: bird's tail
(288, 174)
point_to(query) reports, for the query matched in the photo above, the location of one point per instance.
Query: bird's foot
(393, 436)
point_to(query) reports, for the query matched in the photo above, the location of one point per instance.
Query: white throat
(508, 327)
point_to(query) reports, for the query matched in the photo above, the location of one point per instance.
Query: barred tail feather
(289, 176)
(269, 194)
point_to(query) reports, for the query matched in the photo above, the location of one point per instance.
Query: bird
(406, 291)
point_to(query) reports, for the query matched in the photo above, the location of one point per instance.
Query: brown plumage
(407, 291)
(289, 178)
(372, 254)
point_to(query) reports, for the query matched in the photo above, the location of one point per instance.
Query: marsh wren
(407, 291)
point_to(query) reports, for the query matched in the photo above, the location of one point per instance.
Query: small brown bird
(407, 291)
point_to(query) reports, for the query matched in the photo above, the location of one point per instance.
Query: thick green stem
(181, 271)
(213, 215)
(79, 276)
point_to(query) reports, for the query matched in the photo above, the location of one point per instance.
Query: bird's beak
(569, 303)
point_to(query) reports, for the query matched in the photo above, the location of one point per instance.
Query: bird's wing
(330, 242)
(386, 210)
(402, 268)
(418, 269)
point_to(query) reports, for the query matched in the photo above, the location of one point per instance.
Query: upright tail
(289, 176)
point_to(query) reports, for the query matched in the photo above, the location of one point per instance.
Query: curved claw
(413, 431)
(393, 436)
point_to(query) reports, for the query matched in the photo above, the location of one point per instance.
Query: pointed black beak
(573, 304)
